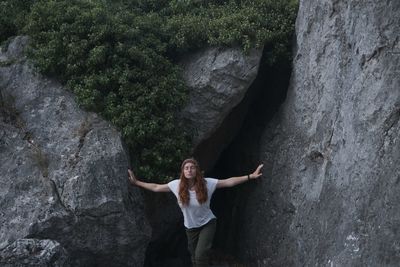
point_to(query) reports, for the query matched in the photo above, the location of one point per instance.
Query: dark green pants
(200, 241)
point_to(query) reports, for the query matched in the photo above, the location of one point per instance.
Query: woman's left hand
(132, 177)
(257, 172)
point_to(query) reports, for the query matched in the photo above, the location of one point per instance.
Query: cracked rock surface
(63, 172)
(33, 253)
(330, 195)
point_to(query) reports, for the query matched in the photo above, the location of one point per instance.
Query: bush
(12, 17)
(232, 23)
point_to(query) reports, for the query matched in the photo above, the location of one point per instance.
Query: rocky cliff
(330, 195)
(64, 195)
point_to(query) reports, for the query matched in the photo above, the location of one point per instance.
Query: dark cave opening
(241, 156)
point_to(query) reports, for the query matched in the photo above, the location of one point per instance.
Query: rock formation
(218, 79)
(63, 174)
(330, 195)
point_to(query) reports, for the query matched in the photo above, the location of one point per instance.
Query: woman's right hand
(132, 177)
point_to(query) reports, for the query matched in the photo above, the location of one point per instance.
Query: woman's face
(189, 170)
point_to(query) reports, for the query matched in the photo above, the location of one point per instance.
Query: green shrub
(12, 17)
(229, 23)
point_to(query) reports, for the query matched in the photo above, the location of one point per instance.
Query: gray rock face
(218, 79)
(33, 252)
(331, 189)
(63, 173)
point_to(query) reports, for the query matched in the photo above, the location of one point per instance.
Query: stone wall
(330, 195)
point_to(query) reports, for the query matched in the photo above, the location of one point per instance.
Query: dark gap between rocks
(247, 122)
(241, 157)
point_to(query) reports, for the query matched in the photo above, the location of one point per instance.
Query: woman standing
(193, 193)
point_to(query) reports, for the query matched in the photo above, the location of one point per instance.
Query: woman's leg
(204, 243)
(192, 237)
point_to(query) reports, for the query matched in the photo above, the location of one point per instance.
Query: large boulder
(218, 79)
(63, 172)
(331, 191)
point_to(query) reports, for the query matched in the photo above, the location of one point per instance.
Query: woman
(193, 193)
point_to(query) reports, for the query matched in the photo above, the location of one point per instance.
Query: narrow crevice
(82, 132)
(97, 217)
(58, 196)
(241, 156)
(391, 121)
(329, 142)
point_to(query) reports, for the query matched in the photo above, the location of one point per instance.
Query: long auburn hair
(199, 184)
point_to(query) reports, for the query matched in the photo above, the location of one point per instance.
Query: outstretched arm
(149, 186)
(240, 179)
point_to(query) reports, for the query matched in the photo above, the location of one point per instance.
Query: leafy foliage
(248, 24)
(119, 57)
(12, 17)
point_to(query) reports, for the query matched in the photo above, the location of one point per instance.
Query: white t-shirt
(195, 214)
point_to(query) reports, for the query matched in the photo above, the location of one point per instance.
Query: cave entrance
(241, 156)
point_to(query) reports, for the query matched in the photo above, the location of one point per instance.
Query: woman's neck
(191, 184)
